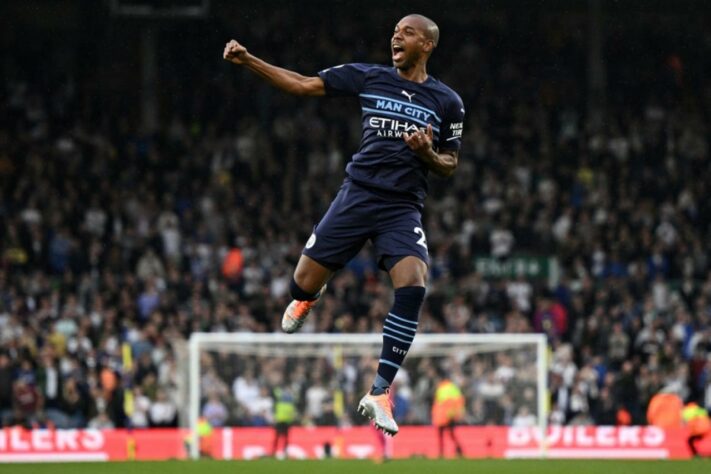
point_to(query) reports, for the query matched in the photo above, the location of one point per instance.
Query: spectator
(101, 422)
(215, 412)
(26, 403)
(74, 404)
(163, 412)
(6, 389)
(524, 418)
(140, 417)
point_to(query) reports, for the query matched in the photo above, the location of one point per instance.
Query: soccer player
(412, 124)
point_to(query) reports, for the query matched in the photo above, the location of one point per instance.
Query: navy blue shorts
(359, 214)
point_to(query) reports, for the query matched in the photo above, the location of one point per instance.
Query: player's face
(409, 43)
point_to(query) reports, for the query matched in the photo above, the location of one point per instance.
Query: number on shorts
(423, 239)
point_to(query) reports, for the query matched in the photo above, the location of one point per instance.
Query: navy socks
(300, 295)
(398, 333)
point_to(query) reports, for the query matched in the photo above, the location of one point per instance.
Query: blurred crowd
(115, 244)
(239, 390)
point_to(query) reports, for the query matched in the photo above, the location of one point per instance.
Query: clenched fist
(420, 142)
(235, 52)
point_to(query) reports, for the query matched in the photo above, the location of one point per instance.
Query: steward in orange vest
(698, 422)
(447, 410)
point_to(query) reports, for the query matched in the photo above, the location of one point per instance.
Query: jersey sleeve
(452, 124)
(344, 80)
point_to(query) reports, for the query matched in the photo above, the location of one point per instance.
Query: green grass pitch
(414, 466)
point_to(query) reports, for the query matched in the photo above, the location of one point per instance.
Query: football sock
(300, 295)
(398, 333)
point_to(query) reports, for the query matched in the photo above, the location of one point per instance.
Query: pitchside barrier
(603, 442)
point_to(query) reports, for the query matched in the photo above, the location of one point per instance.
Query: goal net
(233, 376)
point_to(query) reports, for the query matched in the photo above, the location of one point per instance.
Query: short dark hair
(431, 28)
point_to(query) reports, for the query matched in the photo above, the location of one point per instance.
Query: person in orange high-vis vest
(447, 410)
(698, 422)
(664, 410)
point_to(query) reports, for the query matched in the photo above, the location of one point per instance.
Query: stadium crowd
(116, 245)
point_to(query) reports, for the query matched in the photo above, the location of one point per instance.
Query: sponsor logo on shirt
(392, 128)
(414, 112)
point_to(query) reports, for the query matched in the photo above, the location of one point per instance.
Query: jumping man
(412, 124)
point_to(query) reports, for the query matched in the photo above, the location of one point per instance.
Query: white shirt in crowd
(163, 412)
(245, 391)
(502, 241)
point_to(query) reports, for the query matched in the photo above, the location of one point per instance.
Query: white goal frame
(201, 341)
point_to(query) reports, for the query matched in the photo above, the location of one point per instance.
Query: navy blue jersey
(391, 106)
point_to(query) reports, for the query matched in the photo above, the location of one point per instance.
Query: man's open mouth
(398, 52)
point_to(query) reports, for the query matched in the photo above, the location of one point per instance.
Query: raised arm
(288, 81)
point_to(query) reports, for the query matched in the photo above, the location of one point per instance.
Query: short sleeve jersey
(391, 106)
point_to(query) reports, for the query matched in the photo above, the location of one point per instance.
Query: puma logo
(409, 96)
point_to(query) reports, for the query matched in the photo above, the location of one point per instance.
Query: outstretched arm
(288, 81)
(443, 163)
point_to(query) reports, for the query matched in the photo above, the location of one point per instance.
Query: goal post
(462, 347)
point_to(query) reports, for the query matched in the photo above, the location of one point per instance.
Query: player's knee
(301, 277)
(418, 276)
(310, 276)
(411, 280)
(422, 278)
(305, 282)
(410, 271)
